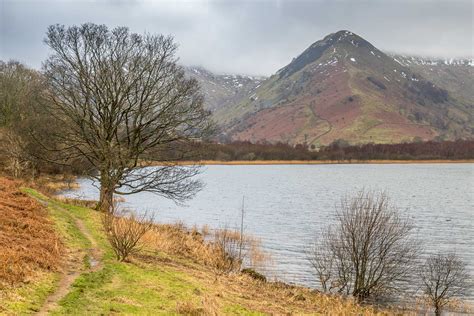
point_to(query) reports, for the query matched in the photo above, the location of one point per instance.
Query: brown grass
(92, 204)
(218, 250)
(175, 239)
(52, 184)
(28, 240)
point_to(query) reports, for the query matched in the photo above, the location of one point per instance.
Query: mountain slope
(454, 75)
(342, 87)
(223, 90)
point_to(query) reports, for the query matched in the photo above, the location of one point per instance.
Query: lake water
(286, 205)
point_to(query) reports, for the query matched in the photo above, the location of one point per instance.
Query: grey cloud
(254, 37)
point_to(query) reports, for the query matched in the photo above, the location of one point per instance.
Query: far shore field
(316, 162)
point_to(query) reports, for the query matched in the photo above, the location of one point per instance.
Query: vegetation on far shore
(338, 151)
(314, 162)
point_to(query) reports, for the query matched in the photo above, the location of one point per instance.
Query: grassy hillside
(155, 281)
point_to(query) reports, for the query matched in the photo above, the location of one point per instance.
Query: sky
(255, 37)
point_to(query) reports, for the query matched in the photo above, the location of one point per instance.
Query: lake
(286, 205)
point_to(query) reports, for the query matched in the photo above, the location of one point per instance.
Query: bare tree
(18, 89)
(20, 102)
(122, 102)
(13, 153)
(369, 250)
(444, 277)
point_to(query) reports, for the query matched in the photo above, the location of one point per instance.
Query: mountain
(223, 90)
(342, 87)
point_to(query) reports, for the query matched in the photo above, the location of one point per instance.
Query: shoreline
(318, 162)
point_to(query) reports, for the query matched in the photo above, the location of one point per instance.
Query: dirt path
(319, 118)
(74, 267)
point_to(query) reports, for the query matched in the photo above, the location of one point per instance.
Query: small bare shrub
(124, 231)
(444, 277)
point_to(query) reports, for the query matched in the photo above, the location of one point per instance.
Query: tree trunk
(106, 199)
(437, 310)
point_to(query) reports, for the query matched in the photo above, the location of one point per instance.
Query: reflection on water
(286, 205)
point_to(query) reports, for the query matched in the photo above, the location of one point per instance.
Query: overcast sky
(250, 37)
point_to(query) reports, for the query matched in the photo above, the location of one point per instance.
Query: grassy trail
(73, 267)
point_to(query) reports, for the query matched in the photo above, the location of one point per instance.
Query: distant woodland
(339, 150)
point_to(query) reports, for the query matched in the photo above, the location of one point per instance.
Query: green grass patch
(127, 288)
(29, 298)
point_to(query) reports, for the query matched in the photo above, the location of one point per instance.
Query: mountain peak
(343, 38)
(340, 35)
